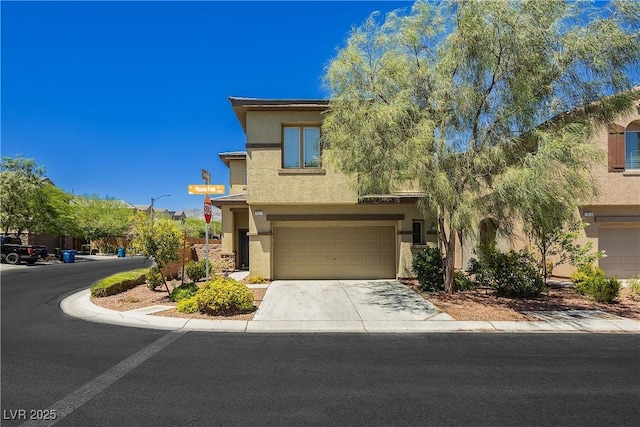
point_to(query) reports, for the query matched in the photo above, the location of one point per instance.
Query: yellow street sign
(206, 189)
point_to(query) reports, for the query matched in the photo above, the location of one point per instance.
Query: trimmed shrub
(224, 296)
(154, 278)
(427, 265)
(590, 281)
(196, 270)
(511, 274)
(188, 305)
(257, 280)
(463, 282)
(119, 283)
(184, 291)
(634, 286)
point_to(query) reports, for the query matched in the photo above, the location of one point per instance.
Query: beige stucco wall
(269, 185)
(228, 230)
(236, 176)
(616, 188)
(265, 127)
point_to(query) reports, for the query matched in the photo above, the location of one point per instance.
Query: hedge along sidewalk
(119, 283)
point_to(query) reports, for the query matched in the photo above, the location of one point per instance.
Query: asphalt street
(86, 373)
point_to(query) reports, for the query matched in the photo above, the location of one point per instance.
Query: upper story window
(624, 147)
(632, 150)
(301, 147)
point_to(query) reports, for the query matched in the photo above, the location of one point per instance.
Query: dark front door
(243, 248)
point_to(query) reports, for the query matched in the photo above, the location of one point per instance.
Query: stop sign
(207, 209)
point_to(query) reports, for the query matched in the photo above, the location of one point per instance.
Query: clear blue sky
(129, 99)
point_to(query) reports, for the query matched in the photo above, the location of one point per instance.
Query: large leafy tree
(99, 217)
(53, 212)
(21, 182)
(466, 101)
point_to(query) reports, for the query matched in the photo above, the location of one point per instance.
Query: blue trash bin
(122, 252)
(68, 256)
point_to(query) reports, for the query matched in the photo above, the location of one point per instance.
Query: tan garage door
(334, 253)
(622, 247)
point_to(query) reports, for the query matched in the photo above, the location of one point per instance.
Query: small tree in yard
(161, 241)
(553, 228)
(463, 100)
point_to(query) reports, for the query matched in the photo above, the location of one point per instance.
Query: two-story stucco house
(289, 216)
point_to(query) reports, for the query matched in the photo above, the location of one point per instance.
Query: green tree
(215, 227)
(553, 229)
(161, 241)
(99, 217)
(54, 213)
(195, 227)
(20, 183)
(465, 99)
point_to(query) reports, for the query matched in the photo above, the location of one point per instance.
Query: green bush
(154, 278)
(119, 282)
(634, 286)
(196, 270)
(512, 274)
(590, 281)
(257, 280)
(184, 291)
(222, 296)
(427, 265)
(188, 305)
(463, 282)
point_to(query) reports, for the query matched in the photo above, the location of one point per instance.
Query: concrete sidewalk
(370, 311)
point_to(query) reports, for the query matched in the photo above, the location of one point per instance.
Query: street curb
(79, 305)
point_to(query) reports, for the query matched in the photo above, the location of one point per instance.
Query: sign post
(207, 218)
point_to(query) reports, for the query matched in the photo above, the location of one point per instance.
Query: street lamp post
(153, 199)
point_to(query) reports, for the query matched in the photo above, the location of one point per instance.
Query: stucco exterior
(272, 196)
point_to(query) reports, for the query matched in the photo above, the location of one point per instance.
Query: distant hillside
(216, 214)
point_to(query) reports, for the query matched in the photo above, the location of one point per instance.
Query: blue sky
(129, 99)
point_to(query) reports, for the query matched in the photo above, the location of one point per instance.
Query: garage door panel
(358, 252)
(357, 246)
(342, 246)
(356, 232)
(622, 250)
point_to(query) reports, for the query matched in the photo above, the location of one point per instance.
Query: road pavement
(90, 373)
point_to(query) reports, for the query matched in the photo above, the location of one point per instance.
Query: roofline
(241, 105)
(233, 155)
(226, 201)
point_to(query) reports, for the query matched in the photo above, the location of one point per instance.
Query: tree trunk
(449, 262)
(449, 246)
(165, 283)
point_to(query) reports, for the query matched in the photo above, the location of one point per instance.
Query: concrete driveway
(343, 300)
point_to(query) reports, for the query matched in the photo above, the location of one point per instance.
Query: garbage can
(122, 252)
(68, 256)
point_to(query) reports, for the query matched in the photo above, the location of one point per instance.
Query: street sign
(206, 189)
(206, 176)
(207, 209)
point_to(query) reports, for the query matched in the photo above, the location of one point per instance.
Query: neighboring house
(288, 216)
(178, 215)
(614, 216)
(144, 208)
